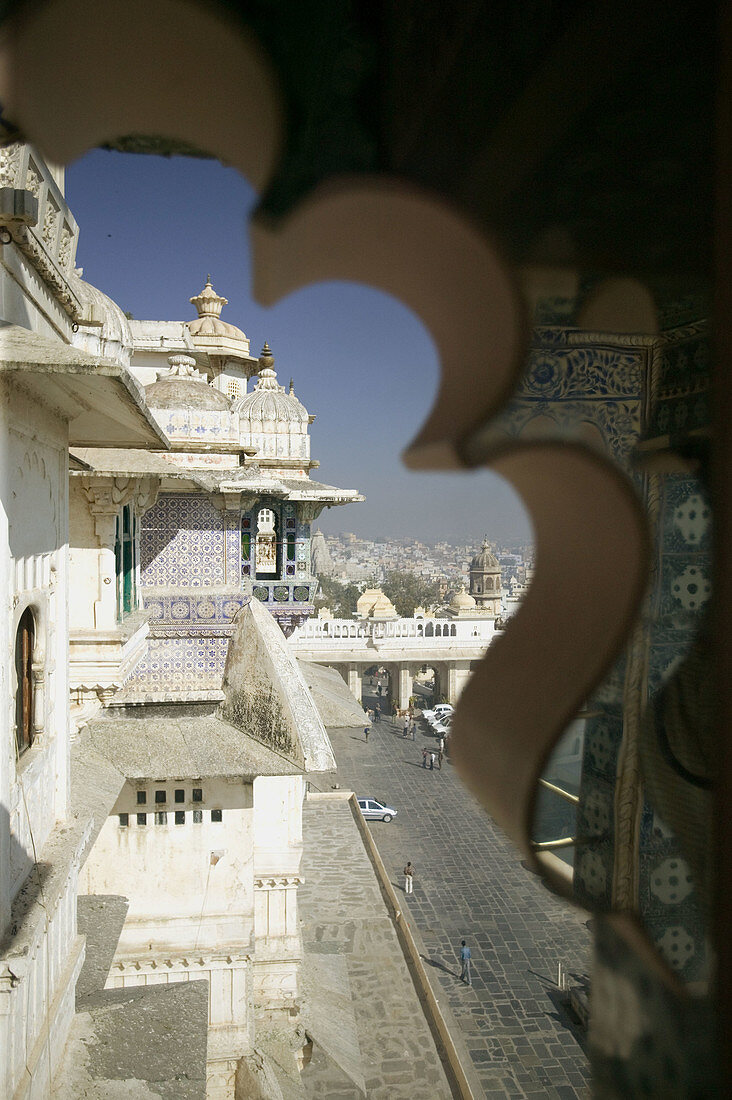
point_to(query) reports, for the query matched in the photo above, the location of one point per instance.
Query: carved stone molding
(278, 882)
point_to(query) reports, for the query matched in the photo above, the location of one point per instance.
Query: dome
(100, 310)
(183, 387)
(462, 601)
(208, 323)
(268, 400)
(485, 561)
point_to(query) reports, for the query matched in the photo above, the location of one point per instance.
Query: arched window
(24, 642)
(453, 630)
(429, 630)
(438, 631)
(266, 563)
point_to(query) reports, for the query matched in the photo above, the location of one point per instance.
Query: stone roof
(184, 387)
(485, 561)
(183, 748)
(102, 312)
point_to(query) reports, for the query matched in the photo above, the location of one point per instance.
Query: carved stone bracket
(106, 495)
(309, 510)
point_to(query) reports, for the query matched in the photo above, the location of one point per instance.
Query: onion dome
(462, 601)
(184, 387)
(268, 400)
(485, 561)
(208, 323)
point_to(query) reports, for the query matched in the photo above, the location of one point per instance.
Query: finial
(292, 386)
(181, 366)
(208, 302)
(267, 375)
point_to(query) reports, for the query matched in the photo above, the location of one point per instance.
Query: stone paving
(345, 920)
(470, 884)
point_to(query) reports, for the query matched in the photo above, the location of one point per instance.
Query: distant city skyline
(152, 228)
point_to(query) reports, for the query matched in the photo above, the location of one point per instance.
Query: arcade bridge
(451, 647)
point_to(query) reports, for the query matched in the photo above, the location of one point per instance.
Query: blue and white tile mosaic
(185, 611)
(182, 543)
(181, 664)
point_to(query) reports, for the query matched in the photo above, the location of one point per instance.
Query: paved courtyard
(470, 885)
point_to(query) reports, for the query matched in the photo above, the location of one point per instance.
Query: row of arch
(397, 630)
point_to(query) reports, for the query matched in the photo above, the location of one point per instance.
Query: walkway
(371, 1030)
(470, 885)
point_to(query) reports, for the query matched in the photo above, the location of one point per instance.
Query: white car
(437, 713)
(374, 810)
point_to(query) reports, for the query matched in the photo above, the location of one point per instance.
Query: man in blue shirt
(465, 960)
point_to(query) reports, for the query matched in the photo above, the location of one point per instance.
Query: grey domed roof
(208, 323)
(485, 561)
(183, 387)
(268, 400)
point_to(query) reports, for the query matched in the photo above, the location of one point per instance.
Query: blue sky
(152, 228)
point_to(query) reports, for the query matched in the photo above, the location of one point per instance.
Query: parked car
(437, 713)
(374, 810)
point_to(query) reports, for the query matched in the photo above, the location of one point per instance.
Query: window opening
(197, 817)
(24, 643)
(161, 796)
(142, 819)
(161, 818)
(266, 553)
(141, 798)
(197, 794)
(180, 795)
(124, 820)
(128, 561)
(180, 817)
(118, 567)
(216, 815)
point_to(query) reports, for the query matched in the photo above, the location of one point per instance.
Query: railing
(427, 631)
(561, 842)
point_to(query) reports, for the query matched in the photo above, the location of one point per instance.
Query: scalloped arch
(127, 66)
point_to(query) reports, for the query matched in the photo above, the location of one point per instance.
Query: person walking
(377, 712)
(432, 761)
(414, 731)
(394, 709)
(366, 732)
(406, 728)
(424, 758)
(465, 963)
(408, 878)
(440, 754)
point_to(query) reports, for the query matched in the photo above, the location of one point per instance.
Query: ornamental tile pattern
(183, 611)
(181, 663)
(182, 542)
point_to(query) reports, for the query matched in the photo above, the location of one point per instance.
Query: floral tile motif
(181, 663)
(182, 541)
(180, 609)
